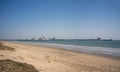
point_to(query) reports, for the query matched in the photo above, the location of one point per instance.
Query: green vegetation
(13, 66)
(2, 47)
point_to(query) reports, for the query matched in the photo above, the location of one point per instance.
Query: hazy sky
(59, 18)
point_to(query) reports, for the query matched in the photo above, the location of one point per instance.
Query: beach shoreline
(51, 59)
(71, 50)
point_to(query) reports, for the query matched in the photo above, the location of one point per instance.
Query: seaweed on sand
(2, 47)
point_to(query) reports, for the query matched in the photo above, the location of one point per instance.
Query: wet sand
(48, 59)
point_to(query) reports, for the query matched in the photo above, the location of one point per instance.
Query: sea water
(111, 48)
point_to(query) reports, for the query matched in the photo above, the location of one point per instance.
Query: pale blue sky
(60, 18)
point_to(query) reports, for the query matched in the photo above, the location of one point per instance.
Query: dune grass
(2, 47)
(13, 66)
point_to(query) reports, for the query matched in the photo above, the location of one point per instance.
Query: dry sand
(46, 59)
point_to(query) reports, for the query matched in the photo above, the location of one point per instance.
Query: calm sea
(111, 48)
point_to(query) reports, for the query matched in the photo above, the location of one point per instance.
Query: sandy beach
(47, 59)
